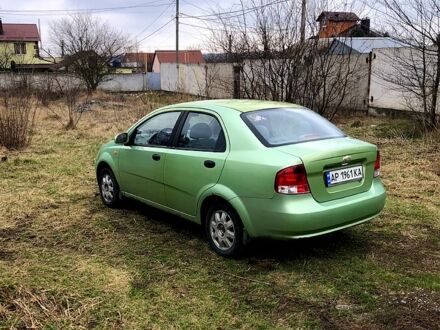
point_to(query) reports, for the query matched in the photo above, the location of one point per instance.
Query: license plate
(343, 175)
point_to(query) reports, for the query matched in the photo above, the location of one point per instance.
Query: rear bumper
(291, 217)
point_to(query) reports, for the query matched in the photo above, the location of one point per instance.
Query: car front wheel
(109, 188)
(224, 230)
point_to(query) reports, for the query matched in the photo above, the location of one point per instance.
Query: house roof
(19, 32)
(338, 16)
(367, 44)
(185, 56)
(137, 57)
(360, 31)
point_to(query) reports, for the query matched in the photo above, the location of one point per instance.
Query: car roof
(238, 105)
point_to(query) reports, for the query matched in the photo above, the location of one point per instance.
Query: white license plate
(342, 175)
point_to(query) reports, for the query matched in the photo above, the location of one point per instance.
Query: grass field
(66, 261)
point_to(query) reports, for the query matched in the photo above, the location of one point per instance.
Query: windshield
(275, 127)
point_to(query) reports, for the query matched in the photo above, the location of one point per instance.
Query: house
(139, 62)
(344, 24)
(332, 23)
(169, 56)
(19, 47)
(133, 63)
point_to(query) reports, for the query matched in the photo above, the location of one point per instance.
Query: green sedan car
(244, 169)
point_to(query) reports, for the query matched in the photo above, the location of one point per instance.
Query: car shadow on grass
(163, 218)
(326, 246)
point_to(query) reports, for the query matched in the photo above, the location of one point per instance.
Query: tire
(224, 230)
(108, 188)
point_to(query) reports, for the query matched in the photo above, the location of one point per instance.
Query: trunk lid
(322, 156)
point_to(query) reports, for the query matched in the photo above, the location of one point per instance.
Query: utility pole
(229, 54)
(39, 32)
(177, 44)
(303, 20)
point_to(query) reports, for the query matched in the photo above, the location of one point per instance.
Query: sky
(139, 23)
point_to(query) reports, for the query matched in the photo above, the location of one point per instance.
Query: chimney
(365, 24)
(1, 26)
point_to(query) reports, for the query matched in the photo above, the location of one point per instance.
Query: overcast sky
(137, 22)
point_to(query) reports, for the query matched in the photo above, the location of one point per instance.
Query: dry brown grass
(68, 262)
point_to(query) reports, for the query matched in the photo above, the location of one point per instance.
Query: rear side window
(201, 132)
(281, 126)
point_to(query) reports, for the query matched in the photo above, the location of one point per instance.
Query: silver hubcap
(222, 230)
(107, 188)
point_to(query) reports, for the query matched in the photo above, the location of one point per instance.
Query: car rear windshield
(281, 126)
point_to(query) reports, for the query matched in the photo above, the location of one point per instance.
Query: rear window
(275, 127)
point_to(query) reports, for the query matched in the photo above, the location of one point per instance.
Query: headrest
(200, 131)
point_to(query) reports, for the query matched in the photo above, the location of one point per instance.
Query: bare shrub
(69, 113)
(46, 91)
(17, 116)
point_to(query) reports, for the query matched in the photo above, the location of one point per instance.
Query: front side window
(275, 127)
(156, 131)
(20, 48)
(202, 132)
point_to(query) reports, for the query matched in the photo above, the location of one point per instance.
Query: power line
(191, 34)
(52, 12)
(203, 27)
(231, 26)
(241, 12)
(155, 20)
(195, 6)
(146, 4)
(157, 30)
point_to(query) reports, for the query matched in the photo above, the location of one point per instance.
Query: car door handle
(209, 163)
(156, 157)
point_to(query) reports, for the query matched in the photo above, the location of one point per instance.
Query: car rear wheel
(109, 188)
(224, 230)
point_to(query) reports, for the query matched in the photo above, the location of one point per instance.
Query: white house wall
(135, 82)
(383, 93)
(209, 80)
(386, 90)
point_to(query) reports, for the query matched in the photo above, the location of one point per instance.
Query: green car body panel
(244, 176)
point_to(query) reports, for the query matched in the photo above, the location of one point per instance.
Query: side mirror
(121, 138)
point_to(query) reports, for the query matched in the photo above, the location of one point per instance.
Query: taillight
(292, 180)
(377, 165)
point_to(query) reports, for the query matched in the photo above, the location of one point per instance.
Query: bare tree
(277, 64)
(89, 45)
(416, 69)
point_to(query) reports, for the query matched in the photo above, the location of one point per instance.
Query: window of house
(37, 50)
(20, 48)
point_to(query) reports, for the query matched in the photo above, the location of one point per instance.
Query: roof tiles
(19, 32)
